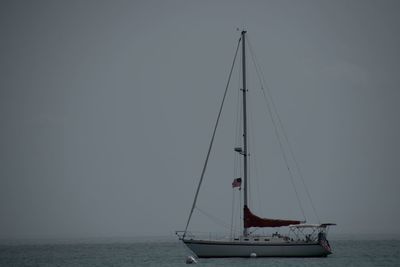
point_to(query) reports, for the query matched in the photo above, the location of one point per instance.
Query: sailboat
(303, 239)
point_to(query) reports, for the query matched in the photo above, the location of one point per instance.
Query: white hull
(219, 249)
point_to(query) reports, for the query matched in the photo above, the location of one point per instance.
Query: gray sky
(106, 109)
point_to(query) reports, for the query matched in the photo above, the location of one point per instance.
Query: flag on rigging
(237, 182)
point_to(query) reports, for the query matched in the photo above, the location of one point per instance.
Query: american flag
(324, 243)
(237, 182)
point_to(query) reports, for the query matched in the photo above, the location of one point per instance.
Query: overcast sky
(107, 108)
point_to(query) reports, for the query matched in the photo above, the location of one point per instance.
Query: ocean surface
(173, 253)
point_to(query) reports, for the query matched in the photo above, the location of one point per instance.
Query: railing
(204, 235)
(294, 234)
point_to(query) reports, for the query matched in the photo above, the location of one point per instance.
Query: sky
(107, 109)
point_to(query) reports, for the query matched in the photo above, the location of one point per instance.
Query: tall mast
(245, 232)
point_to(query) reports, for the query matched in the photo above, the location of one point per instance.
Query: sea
(170, 252)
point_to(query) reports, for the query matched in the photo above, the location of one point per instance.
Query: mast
(245, 232)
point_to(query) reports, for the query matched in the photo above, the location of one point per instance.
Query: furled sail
(251, 220)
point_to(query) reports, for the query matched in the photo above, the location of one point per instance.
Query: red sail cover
(251, 220)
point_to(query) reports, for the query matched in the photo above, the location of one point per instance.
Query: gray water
(173, 253)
